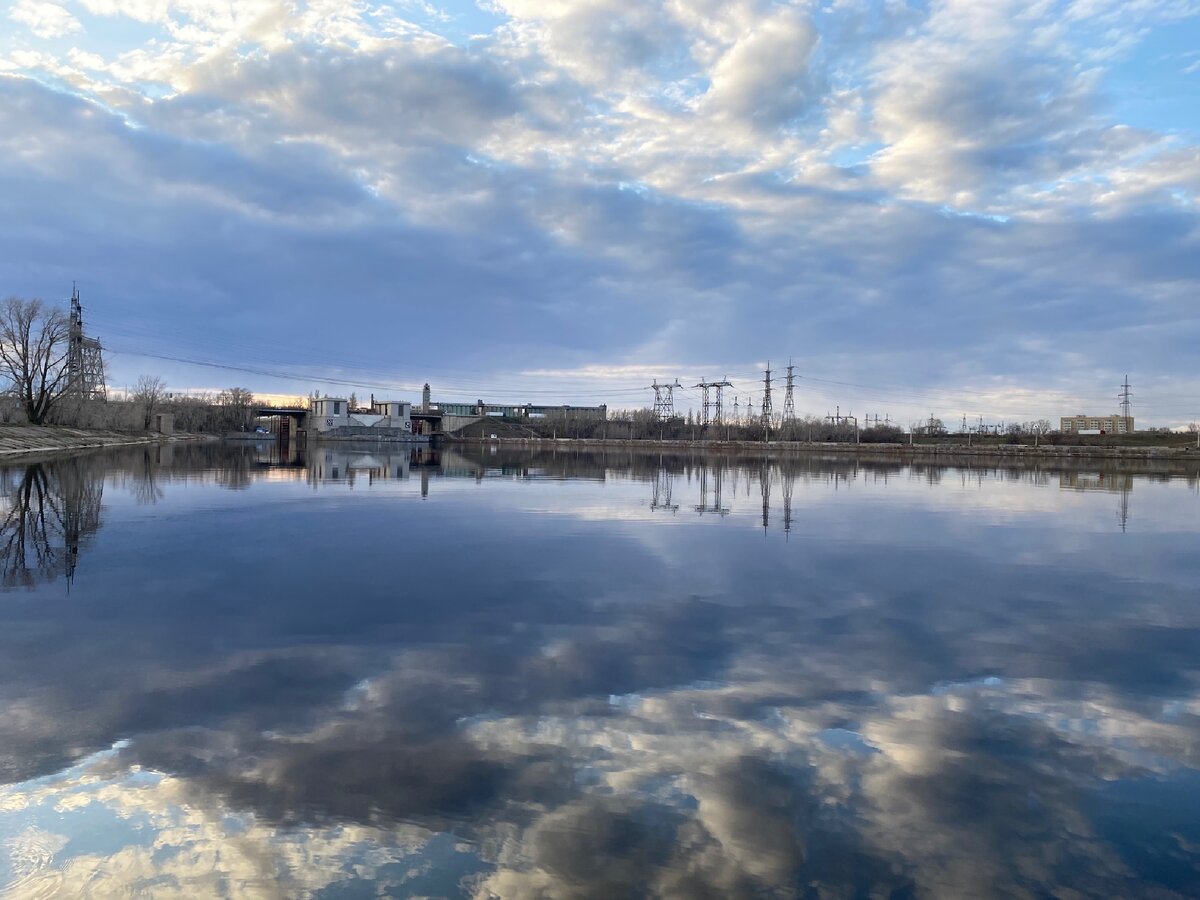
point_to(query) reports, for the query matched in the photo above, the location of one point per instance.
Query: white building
(330, 413)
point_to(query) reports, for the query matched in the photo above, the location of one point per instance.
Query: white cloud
(46, 20)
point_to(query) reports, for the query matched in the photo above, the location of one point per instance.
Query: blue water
(360, 672)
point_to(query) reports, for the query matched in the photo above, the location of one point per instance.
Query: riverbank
(36, 440)
(892, 451)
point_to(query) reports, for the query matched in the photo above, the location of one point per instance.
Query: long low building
(518, 411)
(1098, 424)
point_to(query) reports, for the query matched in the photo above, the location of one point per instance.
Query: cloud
(765, 77)
(46, 20)
(604, 187)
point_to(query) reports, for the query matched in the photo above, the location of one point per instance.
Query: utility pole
(766, 403)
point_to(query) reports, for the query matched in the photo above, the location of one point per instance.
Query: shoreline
(892, 451)
(18, 441)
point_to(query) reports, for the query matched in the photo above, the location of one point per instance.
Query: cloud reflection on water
(600, 711)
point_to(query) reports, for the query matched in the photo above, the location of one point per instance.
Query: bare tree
(235, 404)
(149, 393)
(34, 343)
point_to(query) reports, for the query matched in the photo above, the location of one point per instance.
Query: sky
(979, 208)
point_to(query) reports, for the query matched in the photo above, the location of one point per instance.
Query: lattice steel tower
(1126, 400)
(789, 402)
(714, 412)
(664, 399)
(85, 357)
(765, 413)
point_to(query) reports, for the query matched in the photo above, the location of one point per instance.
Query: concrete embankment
(1007, 452)
(23, 440)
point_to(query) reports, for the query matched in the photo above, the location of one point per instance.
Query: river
(370, 671)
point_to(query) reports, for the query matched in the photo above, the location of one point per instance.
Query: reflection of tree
(145, 485)
(51, 507)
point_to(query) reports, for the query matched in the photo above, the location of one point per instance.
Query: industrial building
(518, 411)
(329, 416)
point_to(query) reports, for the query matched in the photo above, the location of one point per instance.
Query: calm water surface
(555, 675)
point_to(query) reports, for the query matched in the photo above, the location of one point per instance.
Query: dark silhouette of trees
(51, 508)
(34, 341)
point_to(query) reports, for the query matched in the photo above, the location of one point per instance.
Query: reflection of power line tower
(788, 482)
(664, 483)
(717, 506)
(85, 358)
(764, 481)
(664, 399)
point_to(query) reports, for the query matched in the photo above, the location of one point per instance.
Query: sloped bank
(22, 440)
(947, 452)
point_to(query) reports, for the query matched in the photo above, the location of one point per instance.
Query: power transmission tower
(789, 402)
(838, 419)
(704, 404)
(1126, 404)
(719, 403)
(736, 417)
(713, 412)
(85, 357)
(765, 414)
(664, 399)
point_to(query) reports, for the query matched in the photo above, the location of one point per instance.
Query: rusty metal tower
(85, 357)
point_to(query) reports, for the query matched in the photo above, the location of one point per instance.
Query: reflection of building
(332, 416)
(1098, 424)
(1110, 482)
(332, 463)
